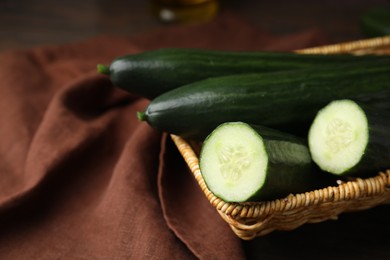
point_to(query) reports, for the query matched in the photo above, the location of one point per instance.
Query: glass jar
(184, 11)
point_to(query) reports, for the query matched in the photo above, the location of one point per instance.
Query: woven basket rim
(349, 47)
(345, 191)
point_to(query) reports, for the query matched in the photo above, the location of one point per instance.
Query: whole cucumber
(286, 101)
(152, 73)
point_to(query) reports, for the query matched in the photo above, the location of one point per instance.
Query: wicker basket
(252, 219)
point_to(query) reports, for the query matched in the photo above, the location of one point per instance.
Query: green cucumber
(240, 162)
(153, 73)
(351, 139)
(278, 100)
(376, 22)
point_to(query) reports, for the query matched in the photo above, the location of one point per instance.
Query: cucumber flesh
(234, 162)
(241, 162)
(339, 136)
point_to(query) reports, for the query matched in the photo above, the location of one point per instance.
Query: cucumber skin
(376, 156)
(281, 100)
(152, 73)
(376, 22)
(290, 168)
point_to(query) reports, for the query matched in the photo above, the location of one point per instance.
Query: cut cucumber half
(240, 162)
(347, 138)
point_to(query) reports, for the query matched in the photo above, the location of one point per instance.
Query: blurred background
(27, 23)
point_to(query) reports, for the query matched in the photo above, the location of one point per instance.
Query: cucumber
(287, 100)
(376, 22)
(240, 162)
(351, 139)
(152, 73)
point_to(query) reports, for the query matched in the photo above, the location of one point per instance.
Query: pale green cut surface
(338, 136)
(233, 162)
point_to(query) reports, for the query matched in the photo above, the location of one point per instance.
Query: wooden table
(32, 22)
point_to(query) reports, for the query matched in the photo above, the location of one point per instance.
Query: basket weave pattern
(251, 219)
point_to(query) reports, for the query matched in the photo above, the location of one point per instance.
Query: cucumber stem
(103, 69)
(141, 116)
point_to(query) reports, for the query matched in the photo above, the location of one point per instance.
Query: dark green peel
(152, 73)
(287, 101)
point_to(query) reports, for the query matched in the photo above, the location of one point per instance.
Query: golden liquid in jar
(184, 11)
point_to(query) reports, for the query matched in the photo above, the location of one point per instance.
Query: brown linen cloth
(81, 178)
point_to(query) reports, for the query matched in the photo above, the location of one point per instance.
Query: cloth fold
(81, 178)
